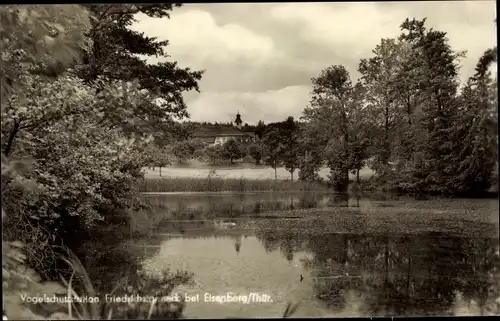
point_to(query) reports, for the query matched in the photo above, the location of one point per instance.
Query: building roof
(213, 131)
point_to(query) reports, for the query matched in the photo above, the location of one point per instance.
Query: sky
(259, 58)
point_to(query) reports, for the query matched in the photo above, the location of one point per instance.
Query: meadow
(239, 177)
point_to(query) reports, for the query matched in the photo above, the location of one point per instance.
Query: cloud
(353, 30)
(196, 39)
(268, 106)
(259, 58)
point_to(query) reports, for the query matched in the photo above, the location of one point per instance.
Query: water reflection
(237, 204)
(399, 274)
(368, 269)
(107, 258)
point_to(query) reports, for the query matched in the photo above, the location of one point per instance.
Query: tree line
(408, 118)
(275, 144)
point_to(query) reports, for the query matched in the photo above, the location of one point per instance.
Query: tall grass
(216, 184)
(142, 284)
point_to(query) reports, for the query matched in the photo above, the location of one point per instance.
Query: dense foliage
(408, 118)
(82, 113)
(232, 150)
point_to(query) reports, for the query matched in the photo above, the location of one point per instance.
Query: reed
(216, 184)
(161, 285)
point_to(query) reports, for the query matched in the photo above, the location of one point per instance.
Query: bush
(200, 155)
(248, 159)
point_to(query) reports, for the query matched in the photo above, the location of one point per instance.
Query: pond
(335, 256)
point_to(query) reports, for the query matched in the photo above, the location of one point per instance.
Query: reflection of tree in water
(258, 207)
(309, 200)
(339, 200)
(286, 241)
(480, 277)
(387, 284)
(114, 264)
(291, 242)
(108, 260)
(397, 274)
(334, 273)
(237, 242)
(420, 275)
(330, 262)
(269, 239)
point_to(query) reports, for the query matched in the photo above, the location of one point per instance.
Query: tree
(273, 147)
(41, 39)
(199, 154)
(84, 137)
(477, 131)
(111, 58)
(184, 150)
(36, 40)
(260, 129)
(312, 141)
(115, 55)
(379, 77)
(333, 99)
(407, 116)
(437, 85)
(290, 153)
(164, 156)
(232, 150)
(255, 150)
(214, 152)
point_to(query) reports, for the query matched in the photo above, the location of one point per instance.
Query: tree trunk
(408, 274)
(408, 108)
(386, 136)
(386, 278)
(357, 176)
(275, 174)
(343, 181)
(291, 175)
(125, 90)
(12, 136)
(346, 249)
(160, 171)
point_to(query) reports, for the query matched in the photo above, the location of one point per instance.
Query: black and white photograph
(214, 160)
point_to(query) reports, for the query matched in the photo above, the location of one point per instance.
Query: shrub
(248, 159)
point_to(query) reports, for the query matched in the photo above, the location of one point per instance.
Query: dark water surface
(336, 256)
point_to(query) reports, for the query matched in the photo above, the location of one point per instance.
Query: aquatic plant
(290, 310)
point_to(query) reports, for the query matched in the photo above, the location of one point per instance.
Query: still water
(335, 256)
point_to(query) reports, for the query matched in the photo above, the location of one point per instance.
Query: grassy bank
(181, 184)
